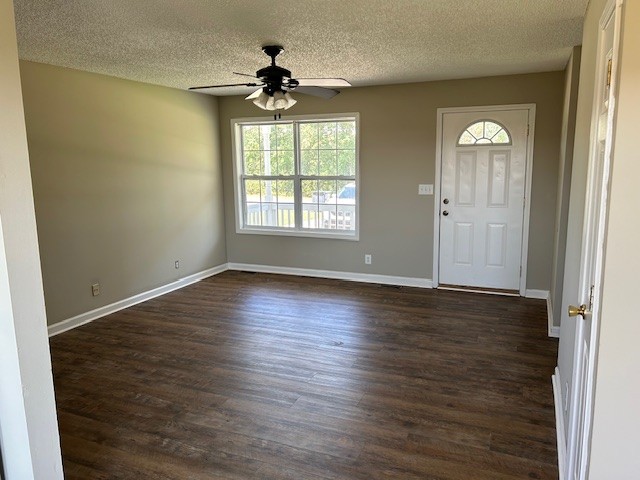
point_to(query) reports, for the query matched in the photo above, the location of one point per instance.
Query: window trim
(236, 150)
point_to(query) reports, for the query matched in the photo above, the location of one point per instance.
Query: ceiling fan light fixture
(262, 100)
(290, 101)
(270, 103)
(279, 101)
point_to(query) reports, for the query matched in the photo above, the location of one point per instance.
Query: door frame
(531, 108)
(580, 423)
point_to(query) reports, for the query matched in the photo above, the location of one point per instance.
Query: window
(484, 132)
(297, 177)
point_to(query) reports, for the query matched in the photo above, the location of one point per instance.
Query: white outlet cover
(425, 189)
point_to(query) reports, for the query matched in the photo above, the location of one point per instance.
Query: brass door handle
(575, 311)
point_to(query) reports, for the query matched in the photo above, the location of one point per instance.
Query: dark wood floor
(253, 376)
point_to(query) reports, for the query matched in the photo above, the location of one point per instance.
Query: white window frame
(236, 147)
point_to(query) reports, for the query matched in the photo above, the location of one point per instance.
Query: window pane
(284, 191)
(339, 212)
(325, 208)
(269, 214)
(476, 129)
(347, 162)
(268, 191)
(327, 135)
(286, 164)
(309, 162)
(346, 135)
(315, 195)
(269, 166)
(466, 139)
(308, 136)
(273, 165)
(252, 190)
(329, 186)
(311, 192)
(253, 214)
(501, 137)
(311, 217)
(253, 162)
(268, 137)
(260, 163)
(284, 135)
(346, 192)
(286, 215)
(327, 163)
(491, 128)
(251, 137)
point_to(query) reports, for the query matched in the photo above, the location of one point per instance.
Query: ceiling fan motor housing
(273, 76)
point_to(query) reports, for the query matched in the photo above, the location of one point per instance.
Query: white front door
(482, 197)
(594, 231)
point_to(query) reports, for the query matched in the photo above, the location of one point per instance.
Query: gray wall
(572, 73)
(397, 152)
(127, 179)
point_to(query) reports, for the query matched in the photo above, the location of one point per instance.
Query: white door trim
(531, 107)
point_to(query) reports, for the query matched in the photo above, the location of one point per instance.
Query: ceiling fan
(276, 82)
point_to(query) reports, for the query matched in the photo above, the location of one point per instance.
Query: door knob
(575, 311)
(445, 201)
(445, 213)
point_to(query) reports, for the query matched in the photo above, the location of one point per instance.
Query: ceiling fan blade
(244, 74)
(255, 94)
(323, 82)
(317, 91)
(228, 85)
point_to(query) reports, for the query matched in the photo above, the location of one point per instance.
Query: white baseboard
(92, 315)
(560, 435)
(540, 294)
(554, 331)
(350, 276)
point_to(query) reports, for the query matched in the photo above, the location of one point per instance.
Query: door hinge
(528, 129)
(609, 66)
(591, 298)
(520, 270)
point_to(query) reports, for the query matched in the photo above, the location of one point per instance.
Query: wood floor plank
(256, 376)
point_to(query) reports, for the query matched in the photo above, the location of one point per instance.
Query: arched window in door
(484, 132)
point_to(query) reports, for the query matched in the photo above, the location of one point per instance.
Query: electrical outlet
(367, 259)
(425, 189)
(177, 264)
(95, 289)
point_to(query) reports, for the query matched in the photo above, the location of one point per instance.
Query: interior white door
(482, 193)
(594, 230)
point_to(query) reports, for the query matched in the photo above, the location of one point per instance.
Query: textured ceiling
(182, 43)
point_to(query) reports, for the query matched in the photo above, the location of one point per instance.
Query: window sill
(333, 235)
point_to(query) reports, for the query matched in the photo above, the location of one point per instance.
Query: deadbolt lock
(445, 201)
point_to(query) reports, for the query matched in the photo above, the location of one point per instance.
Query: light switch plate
(425, 189)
